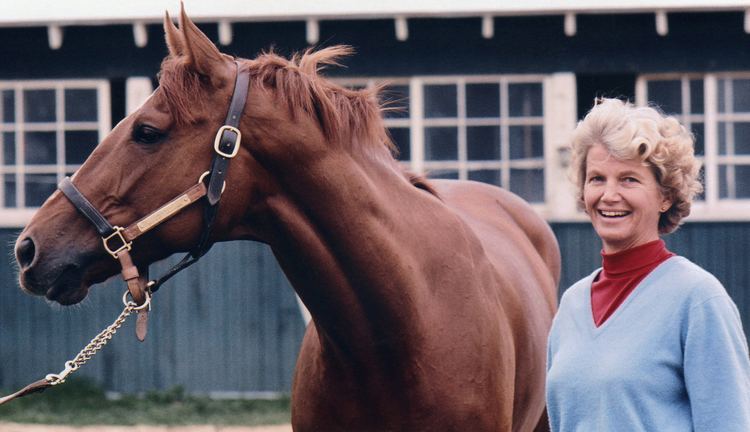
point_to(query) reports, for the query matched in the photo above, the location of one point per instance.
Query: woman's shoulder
(578, 291)
(689, 279)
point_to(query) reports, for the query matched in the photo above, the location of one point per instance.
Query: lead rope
(89, 351)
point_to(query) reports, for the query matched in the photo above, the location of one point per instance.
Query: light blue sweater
(672, 357)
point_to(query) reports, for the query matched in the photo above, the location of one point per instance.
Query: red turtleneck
(621, 273)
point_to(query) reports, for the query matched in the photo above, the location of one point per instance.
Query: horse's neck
(344, 243)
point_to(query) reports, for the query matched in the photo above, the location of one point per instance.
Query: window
(48, 129)
(716, 108)
(484, 128)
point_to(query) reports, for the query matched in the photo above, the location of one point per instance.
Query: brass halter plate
(164, 213)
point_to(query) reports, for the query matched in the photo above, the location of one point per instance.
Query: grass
(80, 402)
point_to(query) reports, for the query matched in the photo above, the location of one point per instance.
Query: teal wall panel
(231, 322)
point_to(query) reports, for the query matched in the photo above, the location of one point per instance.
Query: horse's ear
(202, 55)
(174, 38)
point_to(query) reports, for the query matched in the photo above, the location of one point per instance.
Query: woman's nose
(611, 193)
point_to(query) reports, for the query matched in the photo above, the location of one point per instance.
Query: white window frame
(19, 216)
(557, 120)
(712, 208)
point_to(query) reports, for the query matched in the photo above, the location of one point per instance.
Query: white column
(137, 90)
(140, 35)
(560, 118)
(225, 32)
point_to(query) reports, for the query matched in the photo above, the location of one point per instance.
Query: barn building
(489, 90)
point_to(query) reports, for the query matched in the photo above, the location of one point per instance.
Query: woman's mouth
(613, 213)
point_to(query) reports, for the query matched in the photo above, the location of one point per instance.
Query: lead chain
(97, 343)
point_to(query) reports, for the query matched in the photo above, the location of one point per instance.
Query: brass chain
(98, 342)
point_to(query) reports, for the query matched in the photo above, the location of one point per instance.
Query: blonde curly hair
(646, 134)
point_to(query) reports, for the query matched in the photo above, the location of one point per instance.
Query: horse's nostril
(25, 251)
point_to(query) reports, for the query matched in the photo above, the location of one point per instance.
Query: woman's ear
(666, 204)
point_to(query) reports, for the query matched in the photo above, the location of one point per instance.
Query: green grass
(79, 402)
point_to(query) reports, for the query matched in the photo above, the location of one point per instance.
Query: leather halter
(118, 241)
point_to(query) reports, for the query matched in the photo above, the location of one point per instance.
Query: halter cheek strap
(118, 241)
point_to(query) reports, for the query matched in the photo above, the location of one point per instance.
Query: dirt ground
(14, 427)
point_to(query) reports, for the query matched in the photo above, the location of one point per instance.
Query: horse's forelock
(181, 90)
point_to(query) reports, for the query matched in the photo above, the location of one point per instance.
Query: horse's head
(151, 156)
(293, 118)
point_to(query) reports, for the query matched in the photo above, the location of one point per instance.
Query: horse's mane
(346, 117)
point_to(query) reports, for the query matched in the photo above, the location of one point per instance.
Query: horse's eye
(144, 134)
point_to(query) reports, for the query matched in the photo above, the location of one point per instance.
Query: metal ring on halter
(127, 302)
(200, 180)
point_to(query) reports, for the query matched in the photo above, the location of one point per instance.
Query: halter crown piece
(118, 241)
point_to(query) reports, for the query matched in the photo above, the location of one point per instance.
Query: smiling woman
(650, 332)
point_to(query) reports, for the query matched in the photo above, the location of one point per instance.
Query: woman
(650, 342)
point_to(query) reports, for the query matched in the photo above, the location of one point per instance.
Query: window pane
(396, 98)
(724, 127)
(483, 100)
(741, 95)
(401, 137)
(742, 181)
(486, 176)
(528, 184)
(441, 143)
(525, 100)
(9, 148)
(9, 107)
(721, 86)
(443, 174)
(80, 105)
(39, 187)
(702, 177)
(666, 94)
(696, 96)
(741, 138)
(39, 105)
(79, 145)
(699, 131)
(526, 142)
(440, 101)
(41, 148)
(10, 190)
(734, 181)
(738, 133)
(483, 142)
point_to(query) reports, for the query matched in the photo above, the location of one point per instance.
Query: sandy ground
(14, 427)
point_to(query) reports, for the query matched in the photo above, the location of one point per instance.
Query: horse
(430, 299)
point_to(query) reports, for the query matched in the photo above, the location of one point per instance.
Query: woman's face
(623, 200)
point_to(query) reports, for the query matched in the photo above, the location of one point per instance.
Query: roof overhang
(99, 12)
(55, 14)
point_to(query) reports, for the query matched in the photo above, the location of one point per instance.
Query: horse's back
(497, 214)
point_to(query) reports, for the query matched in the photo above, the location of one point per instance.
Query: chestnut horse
(430, 301)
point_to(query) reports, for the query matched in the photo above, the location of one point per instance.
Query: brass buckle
(217, 141)
(124, 244)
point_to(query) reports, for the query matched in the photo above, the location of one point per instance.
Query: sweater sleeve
(717, 367)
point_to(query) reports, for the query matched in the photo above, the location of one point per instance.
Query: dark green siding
(228, 324)
(231, 323)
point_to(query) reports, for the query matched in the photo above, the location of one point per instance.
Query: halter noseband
(118, 241)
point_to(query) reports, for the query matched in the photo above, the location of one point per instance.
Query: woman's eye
(631, 180)
(596, 179)
(145, 134)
